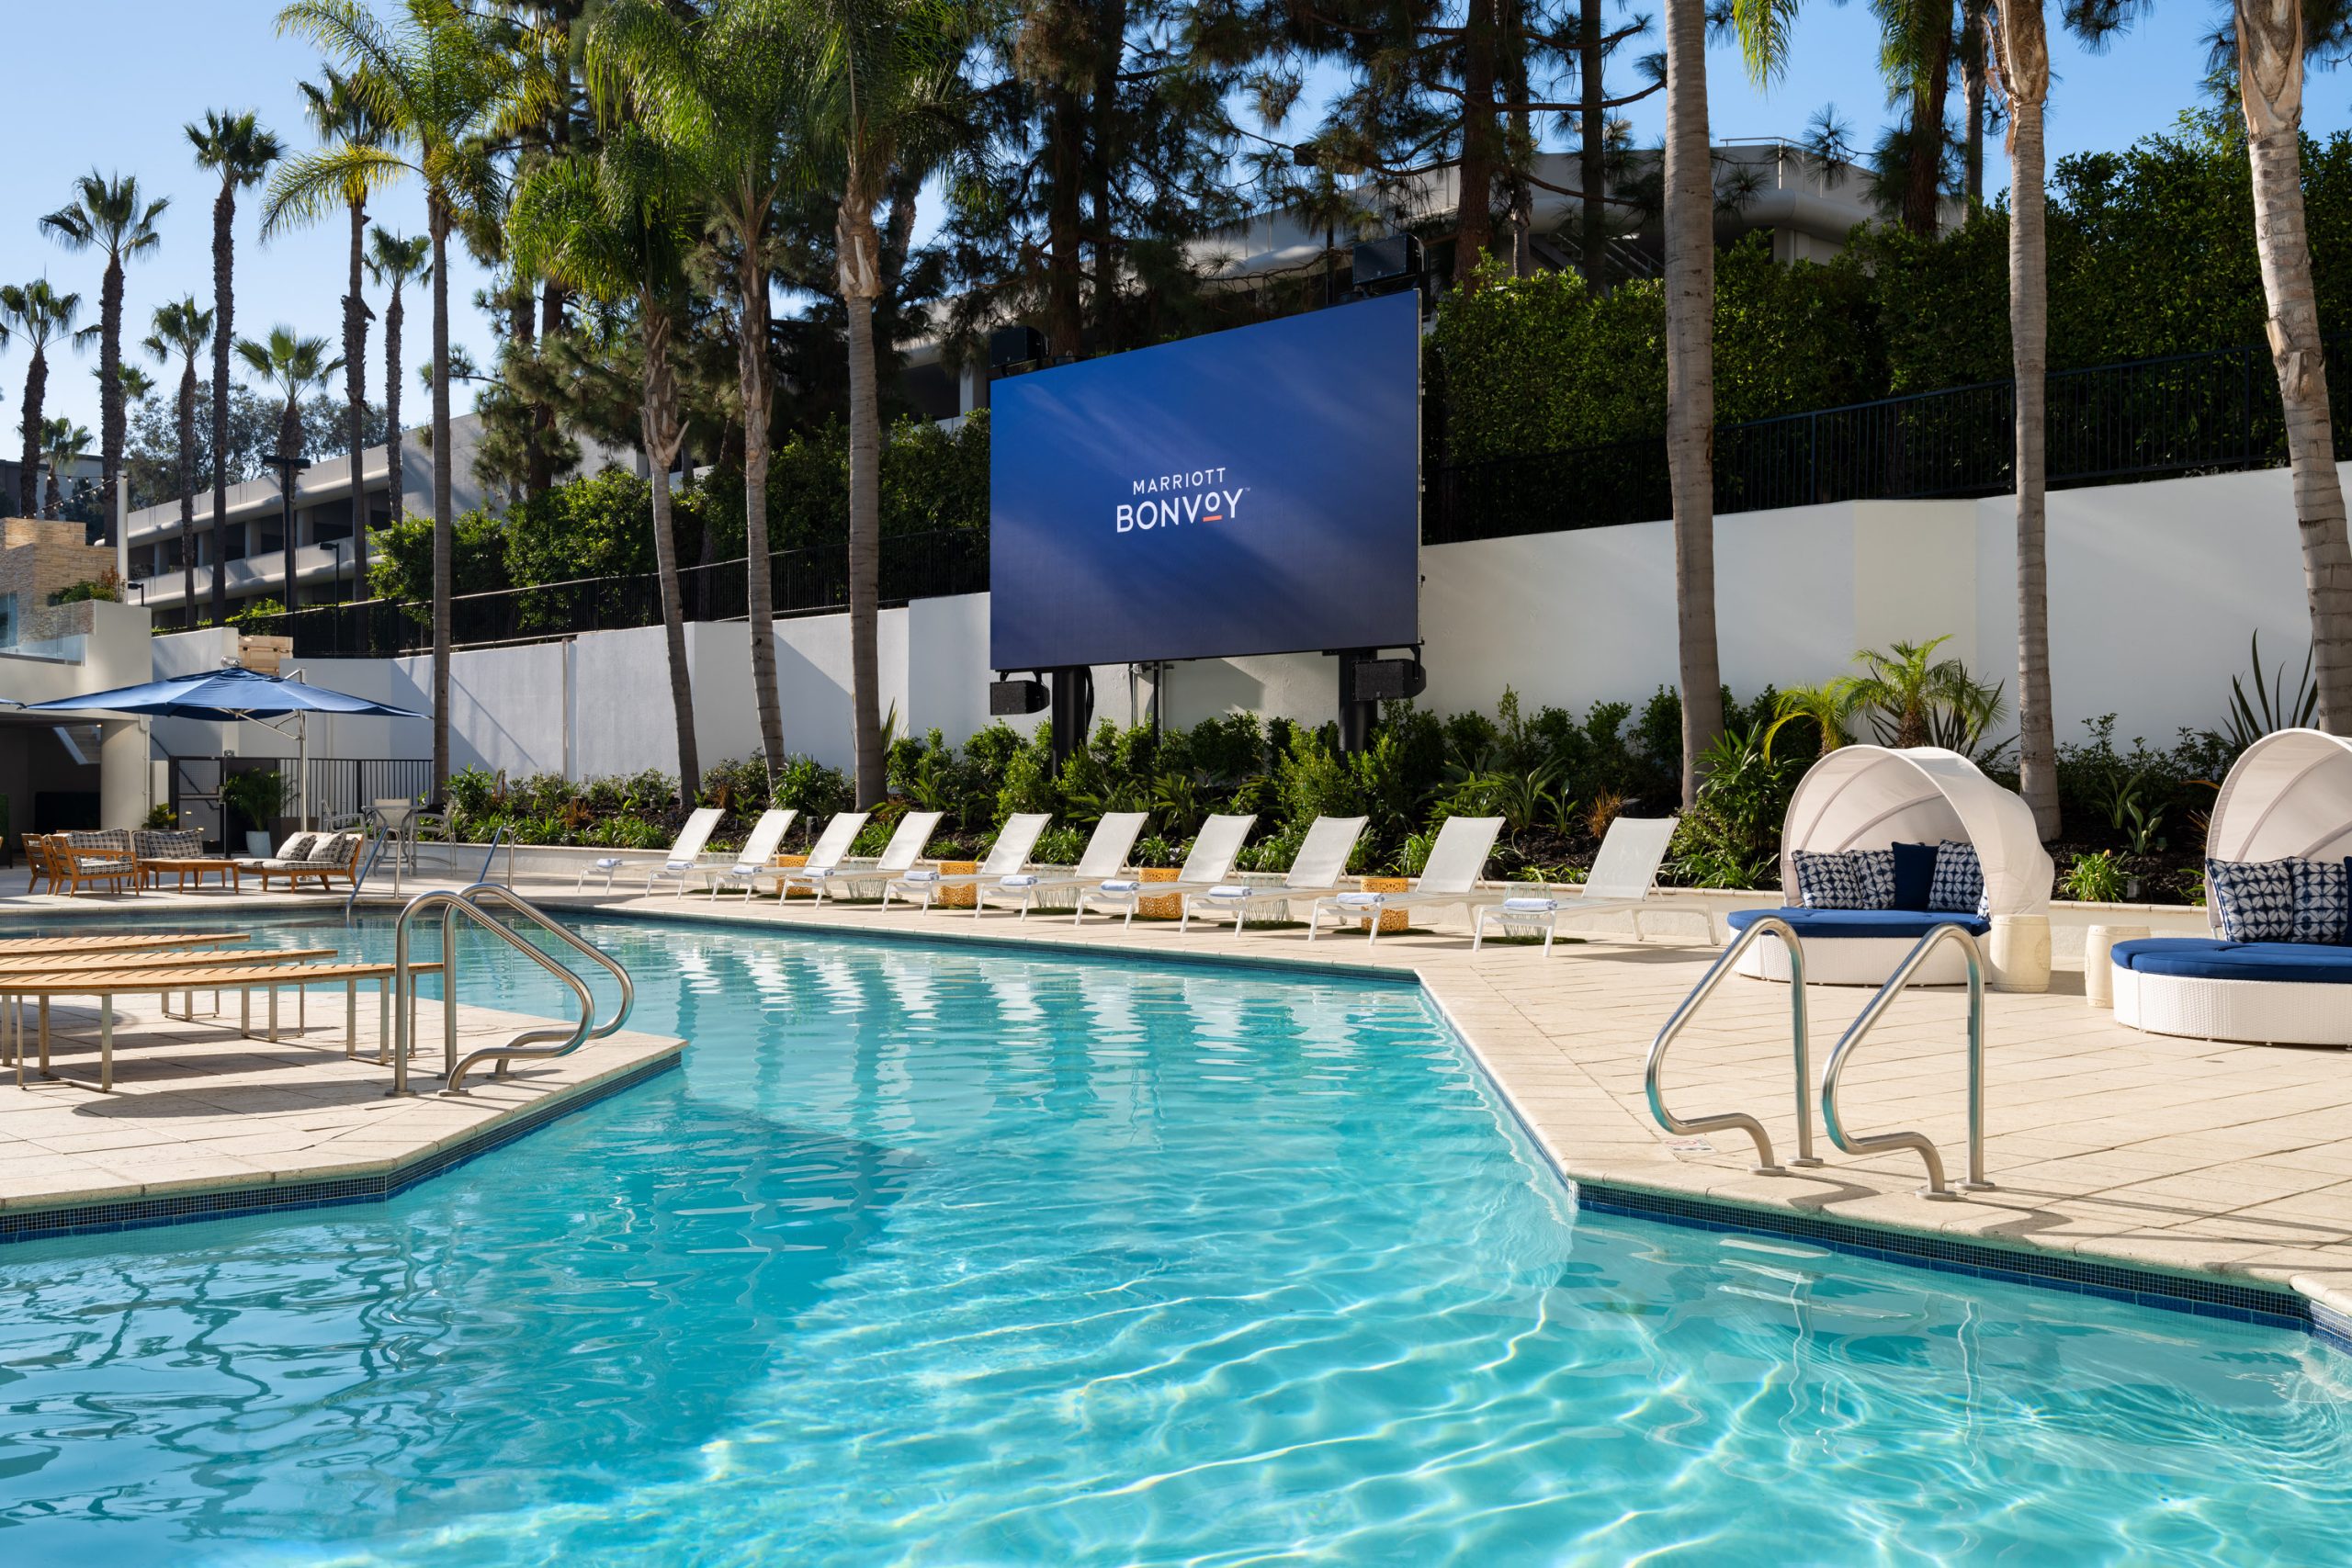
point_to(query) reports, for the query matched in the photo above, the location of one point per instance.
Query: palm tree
(183, 327)
(41, 316)
(63, 444)
(708, 90)
(2270, 90)
(1918, 699)
(392, 262)
(881, 91)
(108, 214)
(614, 230)
(235, 147)
(343, 119)
(1690, 377)
(432, 80)
(2023, 51)
(293, 365)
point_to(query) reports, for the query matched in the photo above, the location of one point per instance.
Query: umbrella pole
(302, 767)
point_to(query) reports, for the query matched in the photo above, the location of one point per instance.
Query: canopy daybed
(2288, 799)
(1874, 797)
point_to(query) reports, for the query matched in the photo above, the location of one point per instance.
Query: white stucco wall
(2155, 590)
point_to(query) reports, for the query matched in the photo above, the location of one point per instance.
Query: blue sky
(110, 82)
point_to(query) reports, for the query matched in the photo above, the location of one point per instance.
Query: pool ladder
(543, 1042)
(1800, 1049)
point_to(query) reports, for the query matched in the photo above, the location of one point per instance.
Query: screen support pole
(1071, 710)
(1357, 714)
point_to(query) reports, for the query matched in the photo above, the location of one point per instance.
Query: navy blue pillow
(1915, 874)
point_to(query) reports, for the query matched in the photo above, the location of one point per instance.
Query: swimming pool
(934, 1257)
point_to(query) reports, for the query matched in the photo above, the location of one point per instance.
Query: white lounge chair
(1315, 873)
(899, 856)
(758, 849)
(1009, 856)
(827, 853)
(1106, 851)
(1213, 848)
(1624, 872)
(683, 857)
(1448, 876)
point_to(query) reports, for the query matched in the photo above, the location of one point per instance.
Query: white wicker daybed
(1871, 797)
(2289, 798)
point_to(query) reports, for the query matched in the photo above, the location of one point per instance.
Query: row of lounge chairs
(1622, 877)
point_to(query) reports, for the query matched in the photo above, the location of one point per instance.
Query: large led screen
(1250, 491)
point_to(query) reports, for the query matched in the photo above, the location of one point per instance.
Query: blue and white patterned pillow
(1826, 880)
(1874, 877)
(1959, 886)
(2323, 900)
(1854, 879)
(2253, 901)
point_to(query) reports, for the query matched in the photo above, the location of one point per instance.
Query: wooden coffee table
(150, 872)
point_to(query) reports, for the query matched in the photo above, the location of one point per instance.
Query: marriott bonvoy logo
(1200, 496)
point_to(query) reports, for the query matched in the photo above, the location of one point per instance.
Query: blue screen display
(1249, 491)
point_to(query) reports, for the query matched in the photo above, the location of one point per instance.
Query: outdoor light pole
(288, 464)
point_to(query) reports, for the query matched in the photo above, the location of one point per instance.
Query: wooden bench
(163, 980)
(117, 941)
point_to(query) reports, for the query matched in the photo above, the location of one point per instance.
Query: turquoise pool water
(930, 1258)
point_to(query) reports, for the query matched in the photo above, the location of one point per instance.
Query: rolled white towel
(1230, 890)
(1018, 879)
(927, 873)
(1363, 900)
(1531, 905)
(607, 862)
(1124, 884)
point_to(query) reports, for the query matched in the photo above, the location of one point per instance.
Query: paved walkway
(2180, 1155)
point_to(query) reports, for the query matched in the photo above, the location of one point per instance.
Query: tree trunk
(29, 473)
(395, 479)
(663, 434)
(1923, 180)
(2270, 75)
(1111, 48)
(1593, 146)
(443, 513)
(1690, 377)
(1065, 228)
(2025, 74)
(111, 417)
(187, 493)
(1473, 221)
(751, 364)
(354, 391)
(860, 282)
(1972, 75)
(224, 305)
(1518, 149)
(289, 444)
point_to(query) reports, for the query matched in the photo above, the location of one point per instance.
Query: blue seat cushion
(2209, 958)
(1897, 925)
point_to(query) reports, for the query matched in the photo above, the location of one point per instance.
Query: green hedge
(2152, 253)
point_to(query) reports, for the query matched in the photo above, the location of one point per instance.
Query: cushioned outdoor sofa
(1880, 846)
(2277, 967)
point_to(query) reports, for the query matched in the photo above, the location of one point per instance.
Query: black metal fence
(803, 582)
(347, 786)
(2146, 419)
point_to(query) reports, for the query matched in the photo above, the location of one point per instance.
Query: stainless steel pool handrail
(368, 868)
(1652, 1070)
(537, 1043)
(1875, 1009)
(501, 837)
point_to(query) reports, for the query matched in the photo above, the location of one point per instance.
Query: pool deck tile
(197, 1111)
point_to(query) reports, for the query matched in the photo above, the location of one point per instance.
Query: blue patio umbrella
(229, 692)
